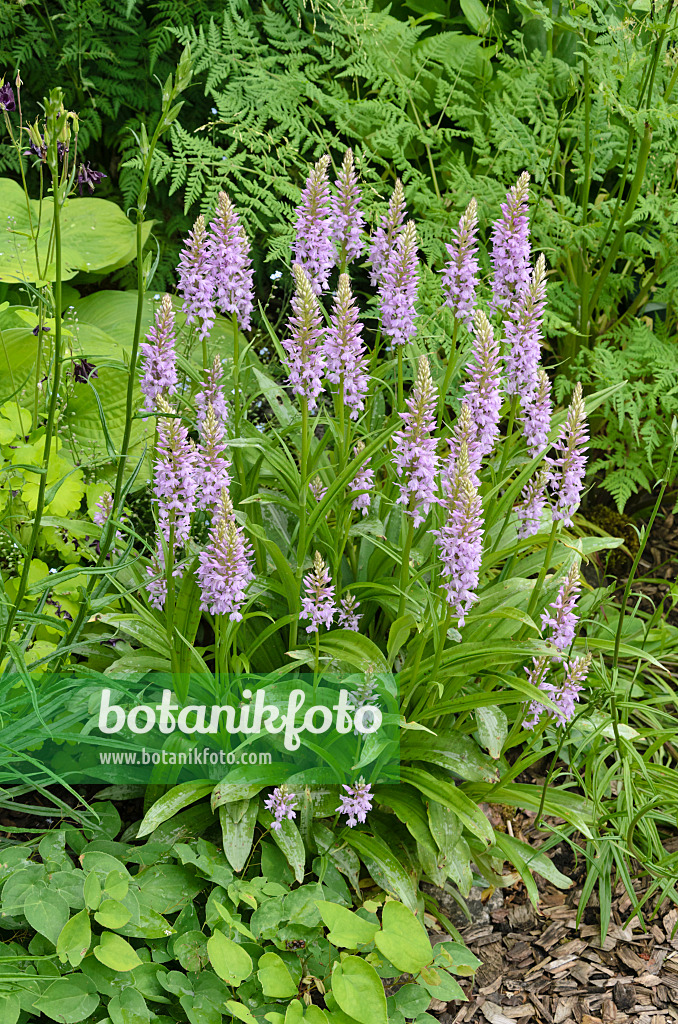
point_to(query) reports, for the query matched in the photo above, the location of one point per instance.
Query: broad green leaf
(171, 803)
(538, 862)
(74, 939)
(92, 890)
(359, 991)
(276, 981)
(238, 835)
(47, 912)
(112, 914)
(230, 961)
(115, 952)
(457, 958)
(68, 1000)
(448, 794)
(288, 840)
(384, 866)
(454, 751)
(492, 729)
(346, 929)
(403, 939)
(129, 1007)
(240, 1012)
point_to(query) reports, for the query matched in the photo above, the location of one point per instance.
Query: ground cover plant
(388, 502)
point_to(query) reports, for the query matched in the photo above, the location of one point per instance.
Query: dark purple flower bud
(7, 97)
(40, 327)
(89, 178)
(82, 371)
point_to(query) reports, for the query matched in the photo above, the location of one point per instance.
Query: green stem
(449, 370)
(49, 427)
(544, 569)
(236, 376)
(440, 646)
(405, 565)
(400, 377)
(508, 441)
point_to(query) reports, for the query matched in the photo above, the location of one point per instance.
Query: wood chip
(494, 1014)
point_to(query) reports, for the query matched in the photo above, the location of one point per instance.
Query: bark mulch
(538, 965)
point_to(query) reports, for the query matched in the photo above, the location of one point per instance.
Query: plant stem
(544, 569)
(49, 426)
(508, 441)
(400, 377)
(440, 646)
(405, 565)
(449, 370)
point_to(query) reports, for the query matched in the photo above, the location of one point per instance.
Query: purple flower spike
(524, 334)
(565, 696)
(212, 467)
(348, 617)
(347, 220)
(196, 285)
(460, 539)
(225, 569)
(414, 453)
(103, 508)
(313, 248)
(398, 290)
(362, 481)
(531, 507)
(483, 390)
(345, 351)
(317, 488)
(568, 469)
(386, 234)
(563, 619)
(511, 246)
(460, 274)
(464, 433)
(536, 415)
(158, 366)
(305, 355)
(281, 805)
(318, 604)
(212, 394)
(357, 803)
(230, 264)
(175, 481)
(7, 101)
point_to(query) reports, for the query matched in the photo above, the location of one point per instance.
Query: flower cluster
(195, 279)
(345, 351)
(318, 604)
(483, 388)
(158, 359)
(398, 290)
(511, 246)
(568, 468)
(225, 566)
(460, 539)
(562, 620)
(348, 615)
(362, 484)
(384, 238)
(357, 803)
(211, 464)
(281, 805)
(347, 220)
(415, 456)
(175, 478)
(523, 329)
(313, 247)
(460, 274)
(304, 345)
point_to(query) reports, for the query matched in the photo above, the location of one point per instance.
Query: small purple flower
(460, 274)
(211, 466)
(156, 583)
(88, 178)
(414, 454)
(511, 245)
(281, 805)
(347, 220)
(175, 482)
(313, 248)
(357, 803)
(523, 330)
(103, 508)
(304, 346)
(158, 359)
(483, 389)
(228, 255)
(225, 569)
(460, 539)
(212, 393)
(348, 617)
(83, 370)
(7, 101)
(345, 351)
(568, 469)
(536, 415)
(318, 604)
(398, 288)
(196, 285)
(45, 328)
(384, 239)
(532, 504)
(563, 619)
(362, 481)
